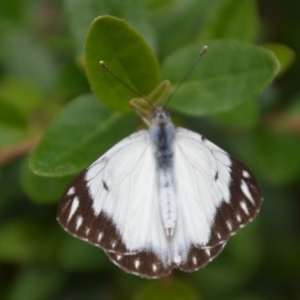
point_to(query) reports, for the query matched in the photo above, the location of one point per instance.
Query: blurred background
(41, 69)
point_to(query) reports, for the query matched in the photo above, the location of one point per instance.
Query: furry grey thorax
(162, 134)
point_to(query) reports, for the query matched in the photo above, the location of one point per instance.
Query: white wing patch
(74, 207)
(246, 191)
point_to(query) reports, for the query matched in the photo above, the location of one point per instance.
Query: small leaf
(229, 74)
(78, 135)
(285, 55)
(42, 189)
(125, 53)
(232, 19)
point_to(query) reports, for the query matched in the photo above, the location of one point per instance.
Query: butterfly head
(160, 117)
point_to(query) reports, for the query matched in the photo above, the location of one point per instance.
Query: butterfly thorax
(162, 134)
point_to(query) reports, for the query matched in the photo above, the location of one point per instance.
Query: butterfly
(160, 199)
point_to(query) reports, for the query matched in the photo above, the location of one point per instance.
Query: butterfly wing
(114, 204)
(216, 195)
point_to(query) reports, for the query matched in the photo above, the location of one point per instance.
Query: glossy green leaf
(243, 116)
(77, 255)
(42, 189)
(81, 14)
(158, 290)
(78, 135)
(229, 74)
(285, 55)
(128, 56)
(231, 19)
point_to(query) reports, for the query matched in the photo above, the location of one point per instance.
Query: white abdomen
(167, 200)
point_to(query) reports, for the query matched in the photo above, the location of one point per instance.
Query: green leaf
(229, 74)
(231, 19)
(82, 13)
(243, 116)
(175, 290)
(77, 255)
(128, 56)
(78, 135)
(285, 55)
(42, 189)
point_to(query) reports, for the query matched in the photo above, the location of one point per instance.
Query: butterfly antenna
(203, 50)
(103, 64)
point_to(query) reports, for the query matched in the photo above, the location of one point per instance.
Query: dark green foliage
(49, 64)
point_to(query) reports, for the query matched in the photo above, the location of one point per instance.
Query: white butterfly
(160, 199)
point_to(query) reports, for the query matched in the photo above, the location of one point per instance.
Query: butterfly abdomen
(162, 135)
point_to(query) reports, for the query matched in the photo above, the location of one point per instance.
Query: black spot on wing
(105, 185)
(216, 175)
